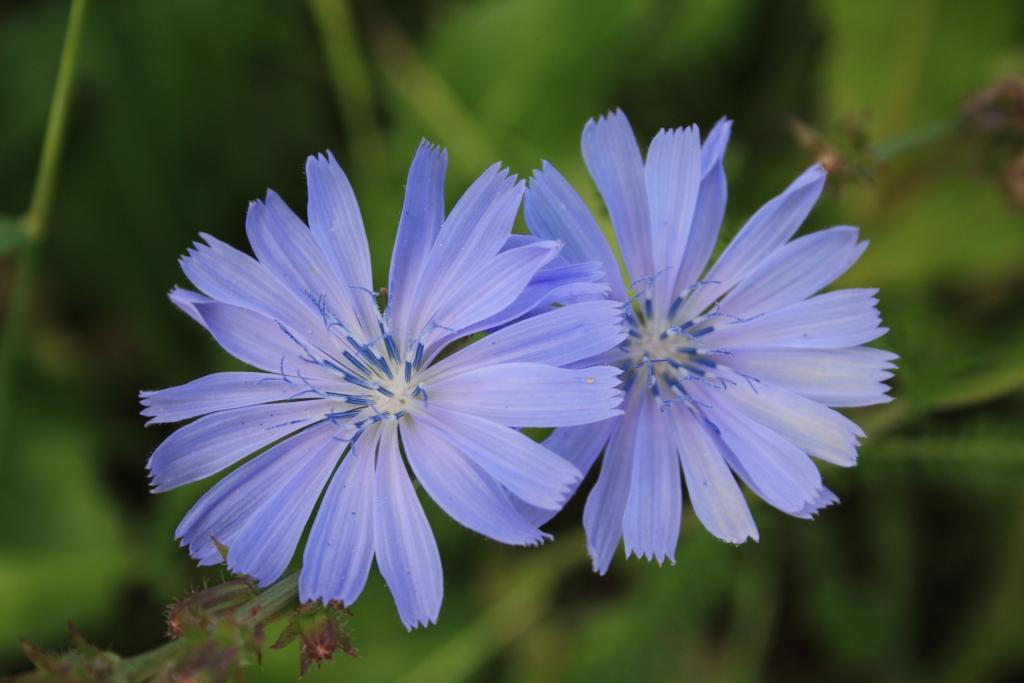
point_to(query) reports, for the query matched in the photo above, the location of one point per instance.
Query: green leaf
(11, 233)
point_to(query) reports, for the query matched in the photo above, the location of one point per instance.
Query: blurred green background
(185, 110)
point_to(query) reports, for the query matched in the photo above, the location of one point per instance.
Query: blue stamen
(356, 362)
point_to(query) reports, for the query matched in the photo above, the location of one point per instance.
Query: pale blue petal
(233, 277)
(712, 151)
(463, 489)
(418, 227)
(286, 247)
(403, 541)
(219, 391)
(654, 507)
(211, 443)
(337, 226)
(846, 317)
(554, 210)
(580, 446)
(713, 492)
(473, 233)
(771, 226)
(835, 377)
(606, 504)
(520, 464)
(223, 510)
(551, 286)
(257, 340)
(613, 158)
(186, 300)
(266, 543)
(531, 394)
(339, 550)
(559, 337)
(493, 286)
(795, 271)
(810, 426)
(672, 175)
(707, 221)
(825, 499)
(773, 468)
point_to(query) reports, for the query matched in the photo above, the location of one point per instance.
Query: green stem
(37, 217)
(350, 81)
(262, 609)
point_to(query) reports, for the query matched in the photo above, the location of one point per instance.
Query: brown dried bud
(1013, 180)
(200, 608)
(322, 632)
(998, 108)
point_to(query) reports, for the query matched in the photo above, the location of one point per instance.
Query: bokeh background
(183, 111)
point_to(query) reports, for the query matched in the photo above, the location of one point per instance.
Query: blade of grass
(523, 604)
(36, 219)
(429, 97)
(350, 81)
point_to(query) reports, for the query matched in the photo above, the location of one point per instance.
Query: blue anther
(356, 362)
(674, 308)
(389, 342)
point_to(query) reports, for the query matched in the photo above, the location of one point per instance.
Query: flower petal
(816, 429)
(531, 394)
(403, 541)
(493, 286)
(559, 337)
(255, 339)
(654, 508)
(266, 543)
(337, 226)
(186, 300)
(463, 489)
(339, 550)
(846, 317)
(771, 226)
(551, 286)
(673, 176)
(795, 271)
(223, 510)
(580, 446)
(606, 504)
(711, 201)
(233, 277)
(613, 158)
(418, 227)
(554, 210)
(527, 469)
(219, 391)
(773, 468)
(286, 247)
(714, 494)
(474, 232)
(219, 440)
(835, 377)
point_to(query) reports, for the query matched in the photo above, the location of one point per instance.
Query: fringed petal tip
(652, 556)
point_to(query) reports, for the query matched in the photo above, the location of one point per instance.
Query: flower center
(668, 353)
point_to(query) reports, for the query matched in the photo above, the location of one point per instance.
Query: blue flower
(728, 373)
(337, 374)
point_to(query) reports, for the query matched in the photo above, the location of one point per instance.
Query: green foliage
(186, 110)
